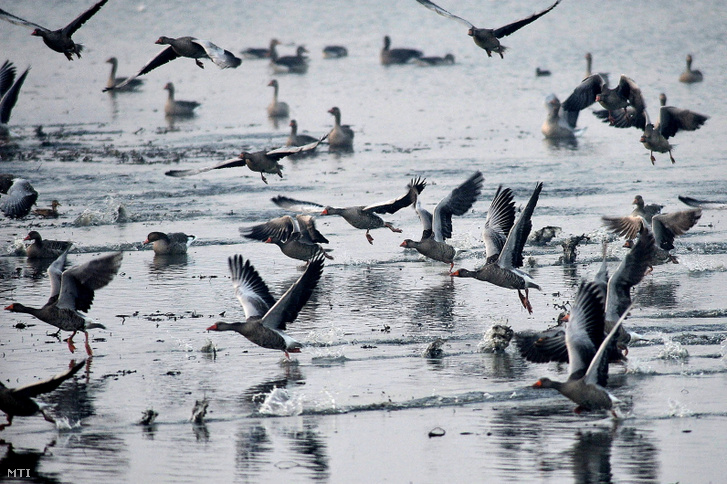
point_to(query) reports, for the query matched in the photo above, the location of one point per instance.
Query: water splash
(64, 423)
(673, 350)
(678, 409)
(279, 402)
(495, 339)
(114, 212)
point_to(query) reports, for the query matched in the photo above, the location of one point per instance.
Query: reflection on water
(591, 457)
(22, 465)
(168, 265)
(252, 444)
(309, 444)
(653, 293)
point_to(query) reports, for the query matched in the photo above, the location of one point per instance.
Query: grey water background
(358, 403)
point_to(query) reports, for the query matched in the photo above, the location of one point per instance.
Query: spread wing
(55, 271)
(79, 282)
(34, 389)
(585, 93)
(415, 187)
(457, 202)
(297, 205)
(629, 273)
(668, 225)
(81, 19)
(223, 58)
(250, 289)
(672, 120)
(160, 59)
(20, 198)
(231, 163)
(499, 222)
(512, 252)
(598, 369)
(584, 330)
(284, 151)
(289, 305)
(7, 76)
(280, 228)
(9, 17)
(7, 103)
(425, 217)
(515, 26)
(436, 8)
(628, 227)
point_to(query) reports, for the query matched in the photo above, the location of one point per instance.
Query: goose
(550, 345)
(690, 76)
(560, 124)
(9, 92)
(175, 108)
(360, 216)
(260, 52)
(630, 118)
(185, 47)
(265, 319)
(438, 227)
(595, 89)
(334, 52)
(259, 161)
(298, 237)
(589, 64)
(173, 243)
(18, 402)
(488, 39)
(295, 64)
(340, 138)
(587, 367)
(277, 109)
(436, 61)
(504, 258)
(72, 293)
(58, 40)
(45, 249)
(671, 121)
(114, 81)
(400, 55)
(295, 139)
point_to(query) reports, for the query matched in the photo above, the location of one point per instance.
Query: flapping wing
(629, 273)
(425, 217)
(7, 103)
(628, 227)
(284, 151)
(250, 289)
(45, 386)
(672, 120)
(668, 225)
(512, 253)
(308, 230)
(499, 222)
(515, 26)
(289, 305)
(630, 90)
(629, 119)
(584, 331)
(160, 59)
(231, 163)
(543, 347)
(223, 58)
(585, 94)
(55, 271)
(415, 187)
(436, 8)
(280, 228)
(81, 19)
(457, 202)
(19, 200)
(9, 17)
(7, 76)
(297, 205)
(79, 282)
(598, 370)
(699, 203)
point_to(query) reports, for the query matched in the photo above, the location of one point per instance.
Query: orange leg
(369, 238)
(392, 228)
(71, 346)
(525, 301)
(89, 352)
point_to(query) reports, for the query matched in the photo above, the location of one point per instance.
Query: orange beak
(269, 241)
(213, 327)
(455, 273)
(403, 244)
(9, 308)
(324, 212)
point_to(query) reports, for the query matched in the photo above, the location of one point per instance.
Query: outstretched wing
(231, 163)
(160, 59)
(297, 205)
(81, 19)
(499, 222)
(7, 103)
(9, 17)
(79, 282)
(415, 187)
(584, 330)
(515, 26)
(223, 58)
(284, 151)
(629, 273)
(289, 305)
(457, 202)
(436, 8)
(250, 289)
(584, 94)
(512, 252)
(34, 389)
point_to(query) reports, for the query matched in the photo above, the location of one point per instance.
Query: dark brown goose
(399, 55)
(438, 227)
(360, 216)
(18, 402)
(266, 319)
(595, 89)
(587, 367)
(45, 249)
(298, 237)
(173, 243)
(58, 40)
(630, 118)
(185, 47)
(488, 39)
(72, 292)
(260, 161)
(505, 270)
(294, 64)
